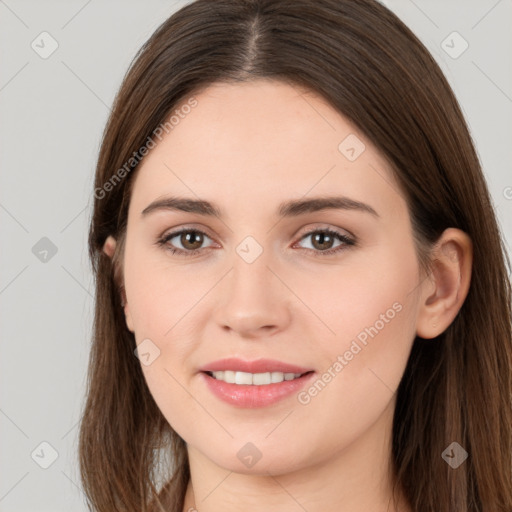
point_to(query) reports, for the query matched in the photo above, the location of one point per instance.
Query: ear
(109, 248)
(446, 288)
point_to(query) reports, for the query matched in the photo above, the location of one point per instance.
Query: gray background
(52, 113)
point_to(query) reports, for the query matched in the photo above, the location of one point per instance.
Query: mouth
(254, 384)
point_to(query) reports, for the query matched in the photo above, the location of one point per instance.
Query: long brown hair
(368, 65)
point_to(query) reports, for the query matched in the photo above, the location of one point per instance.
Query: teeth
(256, 379)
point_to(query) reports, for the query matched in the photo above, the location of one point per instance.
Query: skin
(248, 147)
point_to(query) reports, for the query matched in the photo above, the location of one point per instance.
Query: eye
(322, 241)
(191, 241)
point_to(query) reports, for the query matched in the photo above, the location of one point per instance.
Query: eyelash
(347, 241)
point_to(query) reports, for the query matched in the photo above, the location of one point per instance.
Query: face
(330, 292)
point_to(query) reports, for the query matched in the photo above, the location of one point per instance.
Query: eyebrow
(292, 208)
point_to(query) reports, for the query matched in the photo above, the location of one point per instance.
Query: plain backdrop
(53, 108)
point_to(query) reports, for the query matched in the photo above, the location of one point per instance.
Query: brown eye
(190, 240)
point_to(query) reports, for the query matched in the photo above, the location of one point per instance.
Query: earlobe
(445, 290)
(109, 246)
(128, 317)
(126, 309)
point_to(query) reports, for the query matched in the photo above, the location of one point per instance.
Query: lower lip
(251, 396)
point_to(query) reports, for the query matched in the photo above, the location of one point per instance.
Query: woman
(302, 299)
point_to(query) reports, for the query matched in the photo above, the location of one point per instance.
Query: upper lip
(258, 366)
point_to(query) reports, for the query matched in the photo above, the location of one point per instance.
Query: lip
(251, 396)
(259, 366)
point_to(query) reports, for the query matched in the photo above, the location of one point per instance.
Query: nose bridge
(252, 298)
(251, 278)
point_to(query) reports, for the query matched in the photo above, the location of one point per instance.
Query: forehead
(252, 141)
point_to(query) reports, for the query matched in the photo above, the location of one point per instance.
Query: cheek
(160, 295)
(161, 303)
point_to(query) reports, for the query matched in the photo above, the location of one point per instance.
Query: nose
(252, 300)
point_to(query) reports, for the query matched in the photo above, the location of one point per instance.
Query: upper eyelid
(325, 227)
(304, 231)
(175, 232)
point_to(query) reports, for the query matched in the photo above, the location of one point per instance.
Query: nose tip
(252, 301)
